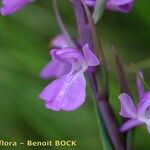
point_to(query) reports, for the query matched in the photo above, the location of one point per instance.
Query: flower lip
(61, 94)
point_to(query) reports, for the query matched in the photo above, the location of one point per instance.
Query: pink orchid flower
(68, 92)
(137, 115)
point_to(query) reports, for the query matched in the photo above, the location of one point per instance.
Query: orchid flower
(68, 92)
(124, 6)
(10, 6)
(137, 115)
(62, 67)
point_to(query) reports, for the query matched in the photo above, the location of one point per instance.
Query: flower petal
(10, 6)
(144, 104)
(66, 93)
(129, 124)
(59, 41)
(75, 96)
(128, 109)
(139, 84)
(51, 90)
(124, 6)
(90, 58)
(55, 69)
(67, 53)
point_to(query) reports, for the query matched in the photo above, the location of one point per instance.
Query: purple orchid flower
(137, 115)
(124, 6)
(68, 92)
(62, 67)
(10, 6)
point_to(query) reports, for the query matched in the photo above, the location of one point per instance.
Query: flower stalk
(87, 34)
(124, 88)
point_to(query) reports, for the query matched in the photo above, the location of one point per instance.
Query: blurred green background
(24, 39)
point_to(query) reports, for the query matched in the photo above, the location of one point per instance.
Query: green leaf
(98, 10)
(103, 133)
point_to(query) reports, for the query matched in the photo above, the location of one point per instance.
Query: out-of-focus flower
(137, 115)
(59, 41)
(55, 68)
(124, 6)
(68, 92)
(10, 6)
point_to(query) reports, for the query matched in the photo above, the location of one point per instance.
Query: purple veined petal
(59, 41)
(89, 56)
(76, 94)
(144, 105)
(10, 6)
(50, 92)
(140, 88)
(66, 93)
(130, 124)
(128, 109)
(56, 69)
